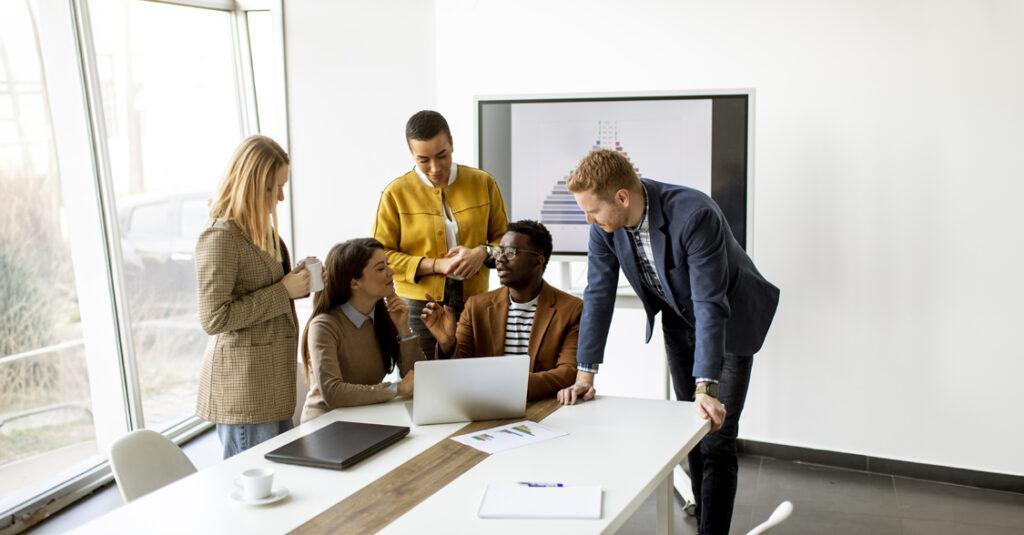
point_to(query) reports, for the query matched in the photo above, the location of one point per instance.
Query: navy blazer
(707, 277)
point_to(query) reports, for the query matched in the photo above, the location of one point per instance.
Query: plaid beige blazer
(248, 373)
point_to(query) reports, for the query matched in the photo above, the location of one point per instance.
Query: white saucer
(276, 495)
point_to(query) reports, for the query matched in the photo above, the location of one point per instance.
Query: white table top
(624, 445)
(627, 446)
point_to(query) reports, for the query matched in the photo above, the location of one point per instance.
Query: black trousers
(713, 464)
(453, 297)
(427, 342)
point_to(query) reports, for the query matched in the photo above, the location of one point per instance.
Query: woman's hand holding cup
(297, 281)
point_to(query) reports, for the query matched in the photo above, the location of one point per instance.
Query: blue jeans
(237, 438)
(714, 467)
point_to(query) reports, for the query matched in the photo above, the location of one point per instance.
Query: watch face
(709, 389)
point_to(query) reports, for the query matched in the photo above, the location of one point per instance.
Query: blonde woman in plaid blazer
(246, 288)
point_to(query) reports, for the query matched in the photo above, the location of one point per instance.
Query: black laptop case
(338, 445)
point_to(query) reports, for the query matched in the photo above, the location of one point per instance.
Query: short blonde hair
(244, 195)
(603, 171)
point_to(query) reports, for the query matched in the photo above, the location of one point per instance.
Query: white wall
(356, 71)
(887, 173)
(885, 180)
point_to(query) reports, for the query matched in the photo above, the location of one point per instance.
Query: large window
(46, 423)
(117, 120)
(266, 70)
(173, 115)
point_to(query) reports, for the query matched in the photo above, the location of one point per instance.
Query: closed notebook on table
(338, 445)
(514, 500)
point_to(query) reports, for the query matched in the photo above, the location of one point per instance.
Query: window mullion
(94, 102)
(244, 79)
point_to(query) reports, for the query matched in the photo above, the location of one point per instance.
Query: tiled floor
(829, 500)
(825, 500)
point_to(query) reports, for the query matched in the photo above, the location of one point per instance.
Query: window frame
(84, 127)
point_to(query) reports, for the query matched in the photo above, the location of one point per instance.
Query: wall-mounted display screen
(531, 145)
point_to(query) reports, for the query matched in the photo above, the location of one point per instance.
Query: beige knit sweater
(345, 366)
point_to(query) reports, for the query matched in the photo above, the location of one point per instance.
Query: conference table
(426, 483)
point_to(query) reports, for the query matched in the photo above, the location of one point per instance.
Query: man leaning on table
(678, 253)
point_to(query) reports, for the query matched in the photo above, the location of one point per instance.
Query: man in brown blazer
(525, 316)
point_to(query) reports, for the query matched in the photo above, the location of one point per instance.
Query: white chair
(778, 516)
(144, 460)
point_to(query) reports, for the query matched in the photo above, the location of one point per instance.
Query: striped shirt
(518, 326)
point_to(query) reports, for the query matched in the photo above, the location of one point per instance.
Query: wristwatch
(491, 251)
(709, 389)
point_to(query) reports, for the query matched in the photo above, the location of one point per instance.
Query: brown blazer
(248, 372)
(552, 349)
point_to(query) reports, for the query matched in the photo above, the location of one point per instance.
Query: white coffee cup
(256, 483)
(315, 268)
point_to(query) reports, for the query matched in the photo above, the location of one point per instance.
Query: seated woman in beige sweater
(358, 332)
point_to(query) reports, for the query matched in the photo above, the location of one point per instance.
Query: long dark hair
(344, 262)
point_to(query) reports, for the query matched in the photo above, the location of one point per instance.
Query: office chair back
(144, 460)
(780, 514)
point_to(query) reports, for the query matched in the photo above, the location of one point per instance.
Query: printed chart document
(515, 500)
(508, 436)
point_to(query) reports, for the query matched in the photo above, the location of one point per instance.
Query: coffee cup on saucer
(256, 483)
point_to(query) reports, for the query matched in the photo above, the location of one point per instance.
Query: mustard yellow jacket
(410, 224)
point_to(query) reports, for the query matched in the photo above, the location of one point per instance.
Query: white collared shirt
(356, 317)
(451, 226)
(451, 175)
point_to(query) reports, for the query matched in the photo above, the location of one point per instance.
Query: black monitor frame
(731, 158)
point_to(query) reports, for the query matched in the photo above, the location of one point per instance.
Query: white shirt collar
(356, 317)
(423, 176)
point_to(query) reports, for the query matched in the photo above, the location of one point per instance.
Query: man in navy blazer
(678, 253)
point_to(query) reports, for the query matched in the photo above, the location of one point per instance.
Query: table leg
(681, 482)
(665, 502)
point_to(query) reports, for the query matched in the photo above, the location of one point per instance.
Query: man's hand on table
(709, 408)
(582, 390)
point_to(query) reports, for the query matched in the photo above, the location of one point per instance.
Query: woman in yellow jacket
(439, 223)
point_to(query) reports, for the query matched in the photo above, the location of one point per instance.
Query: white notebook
(514, 500)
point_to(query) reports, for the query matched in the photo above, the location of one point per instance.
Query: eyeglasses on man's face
(511, 252)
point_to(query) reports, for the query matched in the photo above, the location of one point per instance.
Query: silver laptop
(461, 390)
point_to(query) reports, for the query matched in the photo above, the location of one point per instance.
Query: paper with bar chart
(509, 436)
(668, 141)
